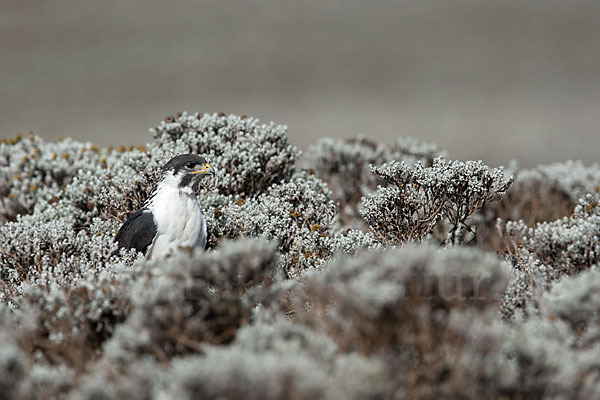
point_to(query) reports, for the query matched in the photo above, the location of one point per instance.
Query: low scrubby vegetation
(360, 271)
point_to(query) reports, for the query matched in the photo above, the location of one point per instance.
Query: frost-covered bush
(249, 156)
(576, 301)
(139, 381)
(567, 245)
(317, 307)
(345, 165)
(376, 288)
(13, 362)
(65, 314)
(234, 373)
(192, 299)
(351, 241)
(549, 251)
(398, 305)
(572, 178)
(528, 281)
(32, 170)
(551, 354)
(278, 360)
(541, 194)
(28, 246)
(296, 213)
(421, 198)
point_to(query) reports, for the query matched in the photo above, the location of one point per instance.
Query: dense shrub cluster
(249, 156)
(296, 213)
(569, 244)
(551, 354)
(32, 169)
(398, 307)
(542, 194)
(378, 271)
(195, 300)
(444, 195)
(548, 251)
(345, 165)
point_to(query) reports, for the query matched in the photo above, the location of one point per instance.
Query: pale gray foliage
(421, 273)
(278, 360)
(567, 245)
(280, 318)
(13, 362)
(248, 155)
(421, 198)
(576, 301)
(345, 165)
(544, 356)
(549, 251)
(204, 296)
(235, 373)
(141, 380)
(32, 169)
(398, 304)
(351, 241)
(572, 178)
(296, 213)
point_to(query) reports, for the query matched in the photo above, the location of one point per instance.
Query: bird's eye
(190, 165)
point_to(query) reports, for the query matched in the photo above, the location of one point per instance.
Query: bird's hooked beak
(206, 170)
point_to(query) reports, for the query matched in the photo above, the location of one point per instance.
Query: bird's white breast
(179, 221)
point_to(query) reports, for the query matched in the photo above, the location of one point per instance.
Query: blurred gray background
(485, 79)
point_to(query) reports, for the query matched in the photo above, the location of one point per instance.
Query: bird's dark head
(186, 171)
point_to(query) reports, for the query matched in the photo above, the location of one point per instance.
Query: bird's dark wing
(137, 232)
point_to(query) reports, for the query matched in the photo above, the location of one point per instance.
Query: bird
(171, 217)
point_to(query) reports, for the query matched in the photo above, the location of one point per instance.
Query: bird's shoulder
(138, 231)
